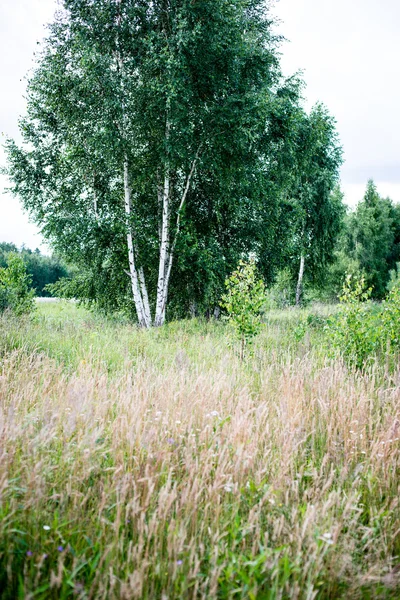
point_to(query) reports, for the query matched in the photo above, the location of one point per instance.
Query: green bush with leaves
(244, 302)
(15, 287)
(391, 316)
(355, 331)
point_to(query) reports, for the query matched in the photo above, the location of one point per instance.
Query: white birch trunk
(299, 289)
(145, 296)
(162, 266)
(177, 230)
(136, 292)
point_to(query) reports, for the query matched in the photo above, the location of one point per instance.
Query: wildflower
(171, 441)
(213, 413)
(29, 553)
(46, 527)
(228, 487)
(178, 422)
(79, 587)
(60, 548)
(327, 538)
(179, 562)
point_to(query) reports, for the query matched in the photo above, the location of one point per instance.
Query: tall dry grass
(192, 479)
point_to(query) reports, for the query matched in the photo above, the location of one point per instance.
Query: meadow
(158, 465)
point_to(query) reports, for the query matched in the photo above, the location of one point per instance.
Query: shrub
(391, 315)
(15, 287)
(243, 302)
(355, 330)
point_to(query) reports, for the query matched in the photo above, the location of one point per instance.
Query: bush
(15, 287)
(391, 316)
(355, 330)
(243, 302)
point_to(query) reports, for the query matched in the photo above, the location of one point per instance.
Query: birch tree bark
(145, 297)
(166, 259)
(138, 287)
(299, 288)
(159, 318)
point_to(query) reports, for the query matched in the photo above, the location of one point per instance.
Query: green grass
(70, 334)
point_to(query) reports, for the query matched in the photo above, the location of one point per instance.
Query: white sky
(349, 51)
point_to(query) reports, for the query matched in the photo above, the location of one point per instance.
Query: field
(157, 465)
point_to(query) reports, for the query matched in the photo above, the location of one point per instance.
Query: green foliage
(362, 330)
(197, 81)
(342, 265)
(314, 206)
(282, 293)
(370, 243)
(244, 301)
(42, 269)
(15, 287)
(391, 316)
(352, 331)
(394, 277)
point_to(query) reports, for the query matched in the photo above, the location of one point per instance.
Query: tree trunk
(143, 318)
(299, 289)
(145, 296)
(162, 267)
(171, 250)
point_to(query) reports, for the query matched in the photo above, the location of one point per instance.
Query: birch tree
(131, 106)
(316, 212)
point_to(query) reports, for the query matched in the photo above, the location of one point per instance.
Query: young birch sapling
(243, 302)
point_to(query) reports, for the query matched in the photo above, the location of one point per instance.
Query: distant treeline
(369, 244)
(43, 269)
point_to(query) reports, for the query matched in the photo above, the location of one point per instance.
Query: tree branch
(178, 222)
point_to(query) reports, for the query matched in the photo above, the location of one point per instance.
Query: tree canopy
(372, 239)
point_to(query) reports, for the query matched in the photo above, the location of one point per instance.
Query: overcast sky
(348, 50)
